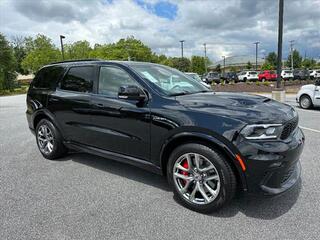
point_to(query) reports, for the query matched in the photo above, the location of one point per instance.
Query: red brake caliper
(186, 166)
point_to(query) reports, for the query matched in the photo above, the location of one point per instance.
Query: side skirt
(115, 156)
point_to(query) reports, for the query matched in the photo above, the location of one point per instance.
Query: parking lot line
(310, 129)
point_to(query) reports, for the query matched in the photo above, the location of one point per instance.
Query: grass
(15, 91)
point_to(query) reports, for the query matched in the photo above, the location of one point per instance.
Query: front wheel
(201, 177)
(305, 102)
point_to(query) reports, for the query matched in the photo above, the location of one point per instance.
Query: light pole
(205, 57)
(291, 51)
(257, 45)
(181, 42)
(62, 50)
(224, 65)
(280, 36)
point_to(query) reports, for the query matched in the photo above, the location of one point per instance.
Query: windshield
(171, 81)
(194, 76)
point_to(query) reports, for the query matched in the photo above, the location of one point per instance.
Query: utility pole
(257, 45)
(224, 65)
(62, 50)
(291, 50)
(280, 36)
(205, 57)
(182, 41)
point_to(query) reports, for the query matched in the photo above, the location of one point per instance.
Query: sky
(229, 28)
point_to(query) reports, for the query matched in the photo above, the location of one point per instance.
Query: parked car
(196, 77)
(314, 74)
(301, 74)
(309, 95)
(207, 144)
(248, 75)
(230, 76)
(287, 74)
(212, 77)
(267, 75)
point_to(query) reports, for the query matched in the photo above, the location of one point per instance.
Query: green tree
(40, 51)
(218, 68)
(125, 49)
(272, 60)
(78, 50)
(249, 65)
(297, 59)
(198, 64)
(20, 51)
(267, 66)
(7, 64)
(309, 63)
(182, 64)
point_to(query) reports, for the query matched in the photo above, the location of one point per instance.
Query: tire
(48, 135)
(224, 187)
(263, 80)
(305, 102)
(245, 79)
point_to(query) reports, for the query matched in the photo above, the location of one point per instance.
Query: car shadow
(120, 169)
(260, 207)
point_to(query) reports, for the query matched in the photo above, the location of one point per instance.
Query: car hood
(251, 109)
(308, 86)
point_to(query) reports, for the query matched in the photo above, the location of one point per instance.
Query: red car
(267, 75)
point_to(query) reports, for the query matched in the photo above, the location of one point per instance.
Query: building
(238, 63)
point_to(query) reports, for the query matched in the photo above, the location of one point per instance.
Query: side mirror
(317, 82)
(131, 92)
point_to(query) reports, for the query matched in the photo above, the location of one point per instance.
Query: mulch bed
(290, 87)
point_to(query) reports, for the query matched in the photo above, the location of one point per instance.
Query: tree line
(28, 55)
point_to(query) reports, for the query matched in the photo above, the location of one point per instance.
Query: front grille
(289, 127)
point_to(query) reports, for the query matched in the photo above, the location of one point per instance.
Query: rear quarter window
(48, 77)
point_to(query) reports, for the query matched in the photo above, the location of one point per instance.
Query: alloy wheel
(305, 102)
(196, 178)
(45, 139)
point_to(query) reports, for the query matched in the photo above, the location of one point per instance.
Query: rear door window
(79, 79)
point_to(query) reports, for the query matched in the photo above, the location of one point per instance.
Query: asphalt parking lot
(88, 197)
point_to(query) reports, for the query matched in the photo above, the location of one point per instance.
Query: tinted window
(78, 79)
(48, 77)
(111, 79)
(253, 73)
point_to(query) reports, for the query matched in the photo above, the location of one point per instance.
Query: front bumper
(272, 166)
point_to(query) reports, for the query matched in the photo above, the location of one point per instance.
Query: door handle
(100, 105)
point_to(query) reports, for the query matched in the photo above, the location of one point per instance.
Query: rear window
(48, 77)
(78, 79)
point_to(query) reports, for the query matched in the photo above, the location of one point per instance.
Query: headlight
(262, 131)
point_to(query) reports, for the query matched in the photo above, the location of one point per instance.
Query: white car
(309, 95)
(314, 74)
(248, 75)
(286, 74)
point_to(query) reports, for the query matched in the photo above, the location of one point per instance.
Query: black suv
(207, 144)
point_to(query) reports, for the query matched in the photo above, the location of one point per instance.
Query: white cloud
(229, 27)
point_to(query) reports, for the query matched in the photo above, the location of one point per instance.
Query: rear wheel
(305, 102)
(49, 140)
(201, 178)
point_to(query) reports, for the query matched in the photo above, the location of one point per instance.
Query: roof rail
(78, 60)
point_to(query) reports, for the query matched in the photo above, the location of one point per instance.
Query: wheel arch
(308, 95)
(207, 140)
(45, 114)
